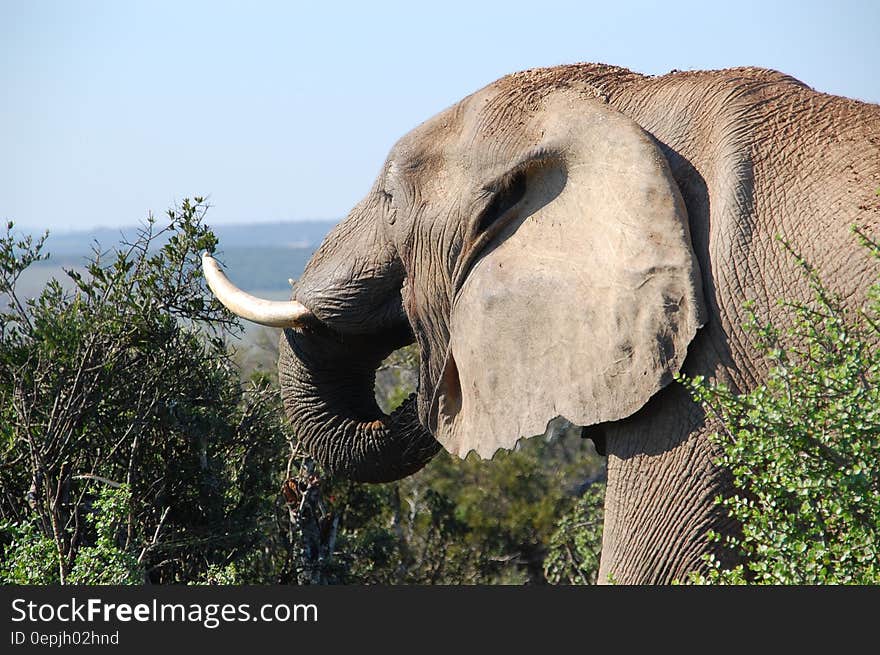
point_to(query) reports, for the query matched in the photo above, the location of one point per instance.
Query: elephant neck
(660, 502)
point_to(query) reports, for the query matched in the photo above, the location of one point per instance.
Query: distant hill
(257, 257)
(304, 234)
(289, 234)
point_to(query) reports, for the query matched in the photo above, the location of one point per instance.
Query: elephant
(560, 244)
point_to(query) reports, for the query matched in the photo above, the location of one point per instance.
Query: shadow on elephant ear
(711, 342)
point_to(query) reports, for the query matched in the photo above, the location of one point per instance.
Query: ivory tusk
(273, 313)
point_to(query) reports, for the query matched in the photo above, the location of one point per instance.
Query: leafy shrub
(576, 544)
(804, 448)
(128, 379)
(32, 557)
(463, 522)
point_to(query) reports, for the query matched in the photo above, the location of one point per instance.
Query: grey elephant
(560, 244)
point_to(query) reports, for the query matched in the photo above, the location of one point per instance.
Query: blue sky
(285, 111)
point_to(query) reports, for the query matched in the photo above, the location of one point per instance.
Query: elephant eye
(508, 193)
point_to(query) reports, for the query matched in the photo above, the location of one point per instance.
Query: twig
(107, 481)
(155, 538)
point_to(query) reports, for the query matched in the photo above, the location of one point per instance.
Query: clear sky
(286, 110)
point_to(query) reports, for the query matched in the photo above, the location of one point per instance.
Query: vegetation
(575, 546)
(124, 385)
(804, 448)
(473, 521)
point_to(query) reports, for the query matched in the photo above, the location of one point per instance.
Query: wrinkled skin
(534, 291)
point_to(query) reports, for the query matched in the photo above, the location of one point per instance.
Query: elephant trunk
(327, 387)
(345, 318)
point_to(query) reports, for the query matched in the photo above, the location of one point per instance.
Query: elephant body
(757, 155)
(560, 243)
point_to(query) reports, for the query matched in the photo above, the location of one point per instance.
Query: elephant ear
(583, 307)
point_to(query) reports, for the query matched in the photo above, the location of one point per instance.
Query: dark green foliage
(467, 522)
(804, 448)
(126, 381)
(575, 546)
(32, 557)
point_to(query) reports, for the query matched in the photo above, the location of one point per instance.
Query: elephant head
(533, 242)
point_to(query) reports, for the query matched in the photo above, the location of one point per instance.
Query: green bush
(31, 557)
(804, 448)
(470, 521)
(576, 544)
(127, 380)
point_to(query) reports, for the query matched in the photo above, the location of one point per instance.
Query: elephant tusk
(273, 313)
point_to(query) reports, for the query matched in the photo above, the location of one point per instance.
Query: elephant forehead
(430, 142)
